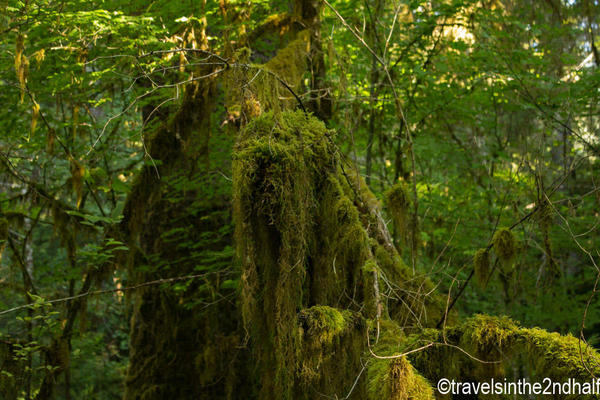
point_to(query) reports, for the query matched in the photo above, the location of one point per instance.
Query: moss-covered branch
(490, 344)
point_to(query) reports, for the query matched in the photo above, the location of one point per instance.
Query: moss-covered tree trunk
(177, 221)
(321, 278)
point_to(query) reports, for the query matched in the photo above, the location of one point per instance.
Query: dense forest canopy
(297, 199)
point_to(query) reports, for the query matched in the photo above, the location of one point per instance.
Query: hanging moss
(394, 378)
(397, 201)
(323, 323)
(290, 62)
(254, 88)
(400, 381)
(77, 174)
(487, 333)
(309, 232)
(481, 265)
(505, 246)
(288, 65)
(275, 164)
(332, 340)
(405, 383)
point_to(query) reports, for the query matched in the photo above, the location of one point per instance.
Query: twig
(106, 291)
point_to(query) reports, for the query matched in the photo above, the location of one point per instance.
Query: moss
(331, 341)
(77, 173)
(275, 163)
(500, 341)
(481, 266)
(553, 355)
(405, 383)
(544, 217)
(185, 342)
(397, 201)
(309, 232)
(286, 68)
(488, 336)
(263, 86)
(394, 378)
(290, 62)
(342, 247)
(284, 172)
(323, 323)
(505, 246)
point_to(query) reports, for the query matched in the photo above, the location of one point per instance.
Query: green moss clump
(394, 378)
(290, 62)
(288, 65)
(481, 266)
(277, 161)
(323, 323)
(405, 383)
(487, 335)
(505, 246)
(332, 343)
